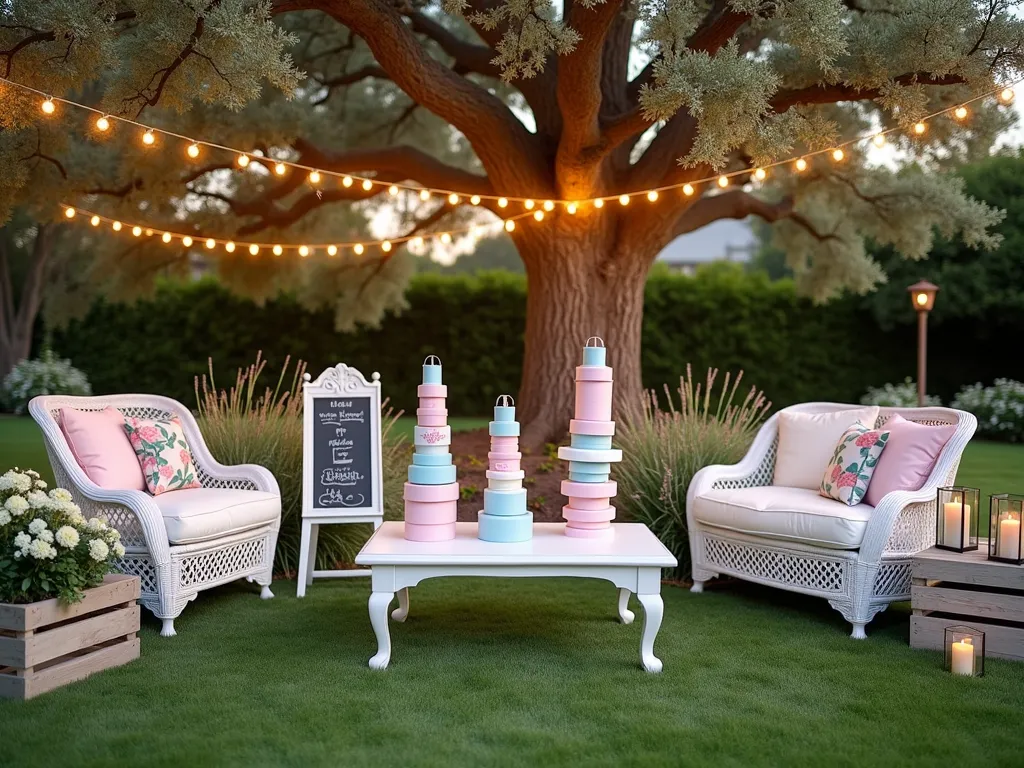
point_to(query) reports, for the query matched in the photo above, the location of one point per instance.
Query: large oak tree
(525, 98)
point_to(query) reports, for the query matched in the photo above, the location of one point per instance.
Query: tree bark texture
(17, 321)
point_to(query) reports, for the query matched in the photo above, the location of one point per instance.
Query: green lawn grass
(524, 672)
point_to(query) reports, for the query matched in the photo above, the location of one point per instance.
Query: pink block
(588, 516)
(432, 390)
(594, 400)
(504, 455)
(504, 443)
(415, 532)
(447, 492)
(432, 404)
(581, 427)
(503, 465)
(593, 373)
(589, 490)
(582, 533)
(431, 512)
(577, 503)
(431, 418)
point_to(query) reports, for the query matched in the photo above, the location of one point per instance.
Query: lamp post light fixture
(922, 296)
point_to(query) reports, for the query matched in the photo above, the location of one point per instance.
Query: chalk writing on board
(343, 449)
(334, 498)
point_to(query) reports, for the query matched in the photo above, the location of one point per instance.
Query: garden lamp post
(922, 295)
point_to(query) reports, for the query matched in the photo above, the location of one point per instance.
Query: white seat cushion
(199, 514)
(790, 514)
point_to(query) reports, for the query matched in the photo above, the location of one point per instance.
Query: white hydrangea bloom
(67, 536)
(98, 550)
(77, 518)
(32, 473)
(46, 536)
(61, 494)
(37, 499)
(22, 540)
(20, 482)
(37, 526)
(16, 505)
(113, 534)
(40, 484)
(5, 516)
(95, 525)
(42, 550)
(118, 549)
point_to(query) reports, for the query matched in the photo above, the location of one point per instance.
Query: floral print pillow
(848, 473)
(164, 455)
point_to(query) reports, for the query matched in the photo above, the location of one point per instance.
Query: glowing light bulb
(95, 221)
(453, 199)
(1006, 95)
(760, 174)
(687, 189)
(243, 161)
(623, 199)
(879, 140)
(166, 237)
(417, 242)
(475, 200)
(254, 249)
(303, 250)
(652, 195)
(137, 231)
(538, 215)
(800, 165)
(920, 128)
(116, 226)
(528, 205)
(510, 226)
(211, 243)
(838, 155)
(446, 238)
(599, 203)
(571, 209)
(48, 106)
(149, 232)
(148, 138)
(347, 181)
(314, 177)
(502, 202)
(723, 181)
(277, 250)
(186, 241)
(280, 169)
(358, 248)
(922, 299)
(549, 205)
(367, 185)
(332, 250)
(229, 247)
(102, 123)
(393, 190)
(385, 246)
(193, 150)
(960, 113)
(69, 212)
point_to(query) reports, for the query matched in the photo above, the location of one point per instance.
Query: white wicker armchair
(171, 574)
(858, 583)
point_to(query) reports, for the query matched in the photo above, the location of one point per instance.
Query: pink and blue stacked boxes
(504, 517)
(431, 495)
(590, 454)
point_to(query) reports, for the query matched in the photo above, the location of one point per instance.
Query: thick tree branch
(829, 94)
(737, 204)
(469, 57)
(349, 78)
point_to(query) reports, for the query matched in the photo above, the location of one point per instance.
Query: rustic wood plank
(81, 667)
(12, 652)
(84, 633)
(967, 602)
(12, 687)
(928, 632)
(116, 588)
(972, 568)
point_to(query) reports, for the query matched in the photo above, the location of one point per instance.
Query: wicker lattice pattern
(811, 571)
(210, 481)
(914, 529)
(224, 563)
(141, 566)
(761, 476)
(892, 581)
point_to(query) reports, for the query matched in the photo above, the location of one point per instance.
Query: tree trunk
(581, 282)
(18, 322)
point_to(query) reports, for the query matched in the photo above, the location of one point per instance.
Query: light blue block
(504, 503)
(590, 467)
(505, 529)
(594, 355)
(431, 374)
(588, 477)
(431, 475)
(504, 429)
(504, 413)
(591, 442)
(432, 459)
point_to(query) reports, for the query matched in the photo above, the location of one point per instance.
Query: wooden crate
(950, 588)
(48, 644)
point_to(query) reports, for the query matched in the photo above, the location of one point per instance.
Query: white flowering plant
(903, 395)
(47, 375)
(999, 409)
(47, 547)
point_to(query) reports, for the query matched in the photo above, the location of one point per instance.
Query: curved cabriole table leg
(654, 608)
(626, 616)
(379, 602)
(402, 611)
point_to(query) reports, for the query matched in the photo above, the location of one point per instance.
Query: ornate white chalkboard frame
(339, 381)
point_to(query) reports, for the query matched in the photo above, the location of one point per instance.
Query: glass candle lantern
(957, 526)
(1005, 538)
(965, 651)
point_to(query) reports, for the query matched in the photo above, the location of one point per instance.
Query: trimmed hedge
(792, 349)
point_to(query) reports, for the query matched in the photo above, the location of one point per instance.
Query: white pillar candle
(953, 528)
(963, 657)
(1009, 538)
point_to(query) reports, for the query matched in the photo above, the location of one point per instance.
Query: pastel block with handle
(504, 517)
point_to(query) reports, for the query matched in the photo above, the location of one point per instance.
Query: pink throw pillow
(100, 446)
(908, 458)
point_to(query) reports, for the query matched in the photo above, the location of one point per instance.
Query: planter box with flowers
(63, 615)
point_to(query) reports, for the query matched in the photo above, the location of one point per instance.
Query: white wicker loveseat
(859, 580)
(218, 546)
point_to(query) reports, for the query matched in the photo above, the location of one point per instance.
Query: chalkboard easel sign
(342, 474)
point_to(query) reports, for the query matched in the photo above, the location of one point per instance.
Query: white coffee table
(631, 558)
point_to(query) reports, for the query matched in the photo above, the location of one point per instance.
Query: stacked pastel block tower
(431, 495)
(590, 454)
(504, 517)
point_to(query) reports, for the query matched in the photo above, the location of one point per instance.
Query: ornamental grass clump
(247, 424)
(662, 449)
(47, 547)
